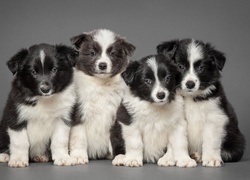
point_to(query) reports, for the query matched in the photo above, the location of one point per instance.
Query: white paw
(4, 158)
(118, 160)
(80, 160)
(186, 163)
(212, 162)
(40, 159)
(165, 162)
(18, 163)
(132, 162)
(64, 161)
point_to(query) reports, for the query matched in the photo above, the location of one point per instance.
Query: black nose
(102, 66)
(160, 95)
(45, 88)
(190, 84)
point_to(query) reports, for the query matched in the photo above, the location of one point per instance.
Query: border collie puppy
(213, 131)
(37, 116)
(150, 121)
(103, 56)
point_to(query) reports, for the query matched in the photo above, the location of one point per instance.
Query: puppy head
(102, 53)
(199, 63)
(43, 69)
(152, 78)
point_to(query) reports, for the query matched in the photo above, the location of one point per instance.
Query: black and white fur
(213, 131)
(37, 116)
(150, 123)
(103, 56)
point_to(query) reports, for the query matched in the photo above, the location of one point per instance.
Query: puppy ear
(219, 59)
(79, 39)
(168, 48)
(14, 62)
(131, 71)
(217, 56)
(71, 53)
(128, 48)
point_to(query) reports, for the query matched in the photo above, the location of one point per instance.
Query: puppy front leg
(78, 144)
(59, 145)
(19, 148)
(178, 140)
(168, 158)
(134, 147)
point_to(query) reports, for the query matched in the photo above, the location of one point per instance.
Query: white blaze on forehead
(104, 37)
(194, 52)
(42, 57)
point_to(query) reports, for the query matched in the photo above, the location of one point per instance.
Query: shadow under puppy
(150, 124)
(103, 56)
(213, 131)
(37, 115)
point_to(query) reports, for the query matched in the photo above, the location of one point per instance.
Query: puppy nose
(160, 95)
(190, 84)
(102, 66)
(45, 88)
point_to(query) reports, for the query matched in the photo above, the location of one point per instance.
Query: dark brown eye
(112, 53)
(148, 81)
(181, 67)
(200, 68)
(92, 53)
(167, 78)
(33, 72)
(54, 70)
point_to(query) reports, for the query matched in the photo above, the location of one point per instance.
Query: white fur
(104, 38)
(153, 128)
(195, 53)
(157, 86)
(44, 122)
(99, 99)
(206, 123)
(42, 57)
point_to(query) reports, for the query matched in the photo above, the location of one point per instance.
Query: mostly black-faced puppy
(150, 121)
(213, 131)
(103, 56)
(37, 115)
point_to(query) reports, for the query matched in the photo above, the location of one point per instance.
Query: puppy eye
(92, 53)
(181, 67)
(148, 81)
(33, 72)
(112, 53)
(200, 68)
(167, 78)
(54, 70)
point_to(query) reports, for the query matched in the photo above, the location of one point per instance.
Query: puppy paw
(130, 162)
(40, 159)
(4, 158)
(186, 163)
(18, 163)
(165, 162)
(196, 156)
(80, 160)
(118, 160)
(212, 163)
(64, 161)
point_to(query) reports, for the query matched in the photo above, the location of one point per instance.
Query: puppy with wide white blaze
(37, 117)
(103, 56)
(150, 124)
(213, 131)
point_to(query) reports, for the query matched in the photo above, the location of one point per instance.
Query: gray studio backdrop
(224, 23)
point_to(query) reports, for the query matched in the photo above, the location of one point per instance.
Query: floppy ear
(168, 48)
(128, 48)
(71, 53)
(14, 62)
(79, 39)
(131, 71)
(219, 59)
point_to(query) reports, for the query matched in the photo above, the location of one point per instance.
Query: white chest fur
(99, 100)
(44, 115)
(203, 117)
(155, 123)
